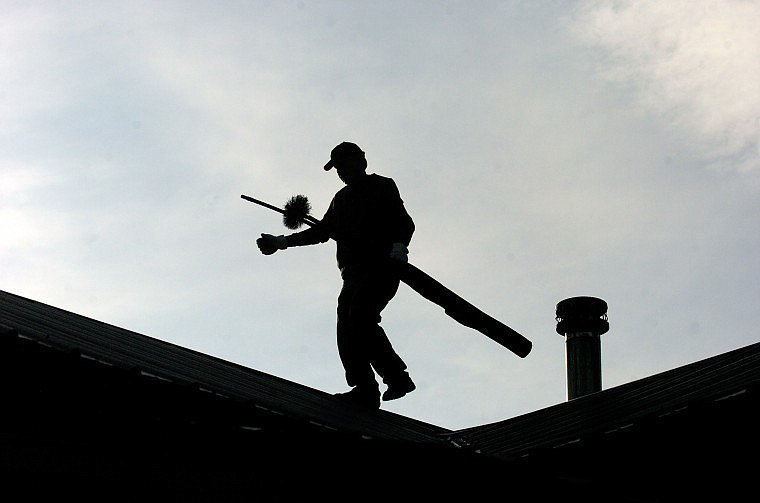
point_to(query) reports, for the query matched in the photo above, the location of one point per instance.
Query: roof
(722, 379)
(623, 441)
(719, 381)
(681, 435)
(109, 345)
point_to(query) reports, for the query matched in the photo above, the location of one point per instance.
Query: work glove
(399, 253)
(268, 244)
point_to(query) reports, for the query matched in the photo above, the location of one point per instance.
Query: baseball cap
(345, 150)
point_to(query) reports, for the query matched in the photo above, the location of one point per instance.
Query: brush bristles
(296, 210)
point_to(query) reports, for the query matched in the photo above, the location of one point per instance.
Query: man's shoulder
(374, 183)
(380, 180)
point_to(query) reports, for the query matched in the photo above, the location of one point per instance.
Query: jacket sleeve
(318, 233)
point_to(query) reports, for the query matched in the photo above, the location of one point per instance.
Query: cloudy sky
(546, 150)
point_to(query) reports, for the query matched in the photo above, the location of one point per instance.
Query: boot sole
(392, 394)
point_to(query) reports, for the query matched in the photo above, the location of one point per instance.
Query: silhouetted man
(372, 229)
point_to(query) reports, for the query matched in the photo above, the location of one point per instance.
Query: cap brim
(329, 165)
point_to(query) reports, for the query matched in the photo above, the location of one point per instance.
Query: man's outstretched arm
(317, 233)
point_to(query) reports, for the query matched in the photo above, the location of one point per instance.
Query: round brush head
(296, 210)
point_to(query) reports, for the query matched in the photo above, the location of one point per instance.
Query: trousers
(363, 346)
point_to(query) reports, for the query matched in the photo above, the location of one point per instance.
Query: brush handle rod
(262, 203)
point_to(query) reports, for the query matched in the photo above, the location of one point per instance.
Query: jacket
(365, 219)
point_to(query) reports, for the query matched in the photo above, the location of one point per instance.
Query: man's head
(348, 160)
(345, 153)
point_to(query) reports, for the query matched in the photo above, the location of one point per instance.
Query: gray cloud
(694, 64)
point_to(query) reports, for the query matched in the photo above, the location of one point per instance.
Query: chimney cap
(582, 314)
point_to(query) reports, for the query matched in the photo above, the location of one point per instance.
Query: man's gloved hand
(399, 253)
(268, 244)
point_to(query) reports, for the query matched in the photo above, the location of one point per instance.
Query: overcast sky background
(545, 149)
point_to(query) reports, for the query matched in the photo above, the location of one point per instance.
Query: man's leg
(376, 292)
(390, 367)
(352, 348)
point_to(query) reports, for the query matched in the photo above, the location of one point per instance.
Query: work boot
(363, 396)
(398, 386)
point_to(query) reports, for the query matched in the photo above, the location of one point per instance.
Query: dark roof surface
(717, 384)
(724, 379)
(111, 345)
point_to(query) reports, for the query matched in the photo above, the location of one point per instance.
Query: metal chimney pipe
(582, 320)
